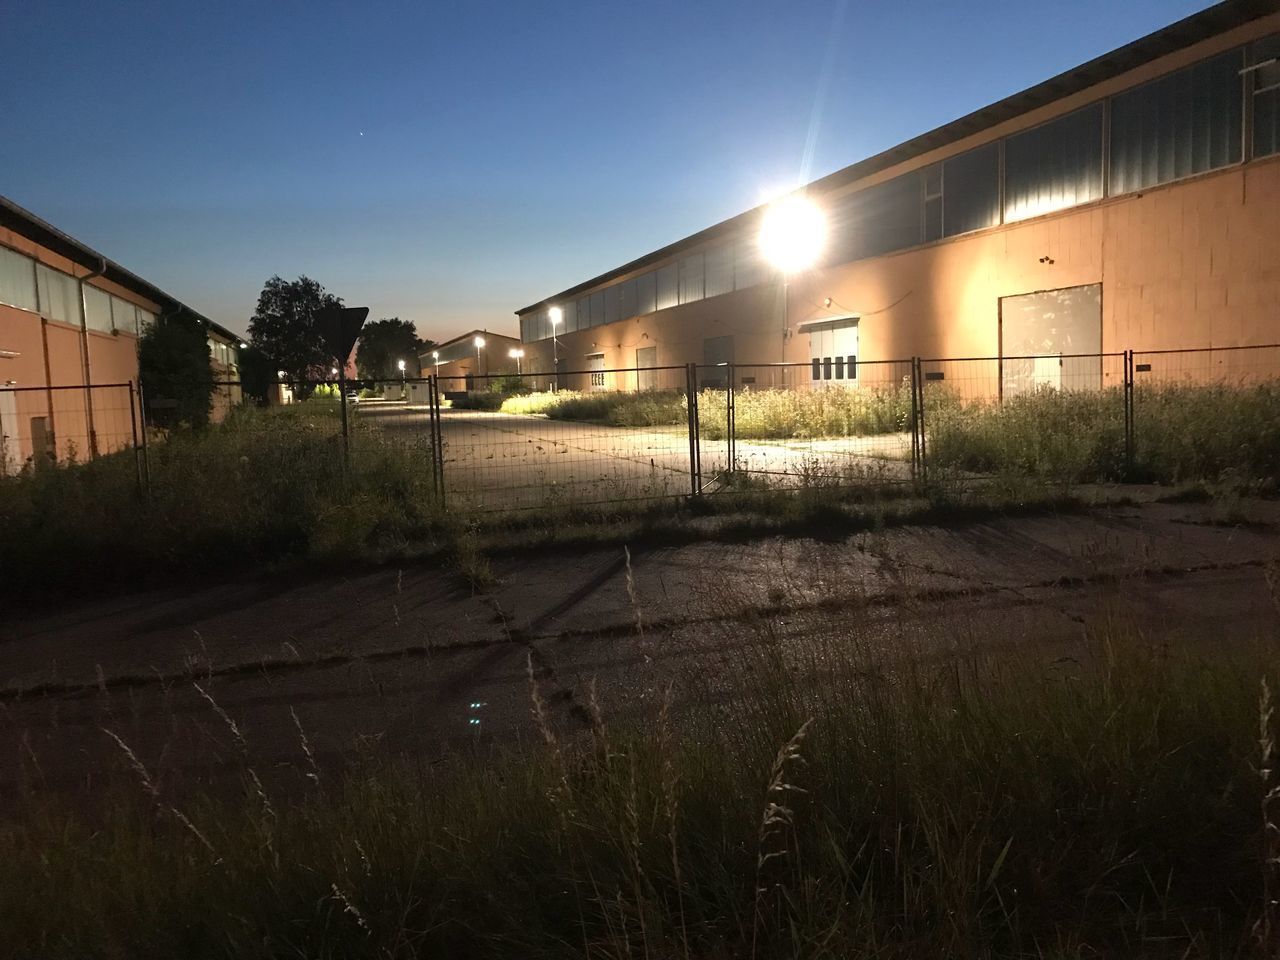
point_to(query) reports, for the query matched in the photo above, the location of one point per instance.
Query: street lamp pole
(400, 364)
(556, 315)
(479, 345)
(517, 354)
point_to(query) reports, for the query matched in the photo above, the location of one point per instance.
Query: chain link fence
(604, 436)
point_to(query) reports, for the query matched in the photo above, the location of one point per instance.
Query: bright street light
(400, 364)
(557, 317)
(793, 232)
(517, 354)
(479, 344)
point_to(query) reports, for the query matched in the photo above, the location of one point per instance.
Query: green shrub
(802, 414)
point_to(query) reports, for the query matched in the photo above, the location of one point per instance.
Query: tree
(284, 327)
(382, 344)
(257, 374)
(173, 367)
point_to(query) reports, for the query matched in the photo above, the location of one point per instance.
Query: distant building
(469, 361)
(1130, 203)
(69, 317)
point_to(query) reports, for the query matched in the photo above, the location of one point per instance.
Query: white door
(10, 448)
(833, 354)
(595, 364)
(1048, 372)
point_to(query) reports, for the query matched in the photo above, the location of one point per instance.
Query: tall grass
(261, 487)
(1181, 432)
(759, 413)
(824, 799)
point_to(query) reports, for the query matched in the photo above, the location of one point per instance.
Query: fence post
(342, 405)
(1128, 414)
(142, 431)
(691, 393)
(437, 442)
(731, 422)
(918, 457)
(133, 425)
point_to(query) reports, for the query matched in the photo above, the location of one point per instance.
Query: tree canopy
(284, 327)
(383, 343)
(173, 368)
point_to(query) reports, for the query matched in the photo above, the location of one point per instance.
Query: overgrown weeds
(827, 795)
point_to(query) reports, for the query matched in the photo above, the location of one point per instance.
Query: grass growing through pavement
(815, 797)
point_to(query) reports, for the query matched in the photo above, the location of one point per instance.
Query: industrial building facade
(70, 317)
(1130, 203)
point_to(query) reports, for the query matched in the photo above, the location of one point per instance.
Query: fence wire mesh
(602, 436)
(66, 424)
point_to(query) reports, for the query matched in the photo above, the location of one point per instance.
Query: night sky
(448, 163)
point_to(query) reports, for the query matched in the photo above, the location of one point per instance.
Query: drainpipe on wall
(84, 354)
(51, 441)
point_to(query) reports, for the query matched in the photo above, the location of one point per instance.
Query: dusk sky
(449, 163)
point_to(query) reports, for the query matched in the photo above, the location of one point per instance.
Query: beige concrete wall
(1190, 264)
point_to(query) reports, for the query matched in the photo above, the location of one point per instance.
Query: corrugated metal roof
(1177, 36)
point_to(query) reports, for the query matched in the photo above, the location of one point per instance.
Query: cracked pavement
(409, 660)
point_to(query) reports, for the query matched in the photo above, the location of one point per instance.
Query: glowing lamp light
(479, 342)
(435, 354)
(557, 316)
(333, 371)
(792, 233)
(513, 352)
(400, 364)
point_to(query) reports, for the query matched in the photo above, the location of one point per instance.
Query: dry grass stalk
(599, 734)
(349, 907)
(542, 718)
(778, 816)
(153, 791)
(631, 594)
(1266, 928)
(244, 751)
(671, 806)
(314, 774)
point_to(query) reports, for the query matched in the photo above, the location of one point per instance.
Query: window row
(29, 285)
(1187, 122)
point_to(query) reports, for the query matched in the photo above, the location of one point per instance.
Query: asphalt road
(505, 461)
(409, 661)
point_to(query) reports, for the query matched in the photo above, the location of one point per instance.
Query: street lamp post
(400, 364)
(435, 355)
(792, 234)
(517, 354)
(557, 316)
(479, 347)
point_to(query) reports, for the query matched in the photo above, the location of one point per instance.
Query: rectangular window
(524, 329)
(749, 268)
(1054, 166)
(646, 294)
(97, 309)
(1264, 81)
(147, 320)
(597, 308)
(1183, 124)
(717, 354)
(718, 270)
(879, 219)
(124, 318)
(691, 278)
(17, 279)
(584, 313)
(59, 295)
(627, 300)
(612, 304)
(971, 190)
(668, 286)
(933, 203)
(817, 368)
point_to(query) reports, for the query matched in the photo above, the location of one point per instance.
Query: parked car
(353, 395)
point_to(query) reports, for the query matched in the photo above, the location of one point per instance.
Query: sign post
(340, 327)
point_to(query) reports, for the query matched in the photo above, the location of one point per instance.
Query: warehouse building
(70, 317)
(1130, 203)
(468, 361)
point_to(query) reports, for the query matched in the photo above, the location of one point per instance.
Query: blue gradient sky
(448, 163)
